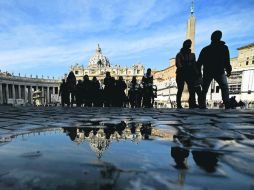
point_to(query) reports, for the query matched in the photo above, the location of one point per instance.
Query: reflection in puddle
(206, 160)
(99, 138)
(110, 156)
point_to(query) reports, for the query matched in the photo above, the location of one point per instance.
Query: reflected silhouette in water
(207, 160)
(180, 156)
(146, 131)
(100, 137)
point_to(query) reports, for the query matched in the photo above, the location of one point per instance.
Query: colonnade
(19, 90)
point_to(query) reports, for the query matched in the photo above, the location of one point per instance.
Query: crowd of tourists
(212, 63)
(111, 93)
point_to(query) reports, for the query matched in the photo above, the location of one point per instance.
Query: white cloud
(68, 33)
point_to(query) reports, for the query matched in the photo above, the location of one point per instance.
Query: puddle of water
(111, 156)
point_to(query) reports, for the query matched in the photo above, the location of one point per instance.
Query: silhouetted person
(87, 91)
(233, 102)
(241, 104)
(113, 96)
(139, 96)
(206, 160)
(63, 92)
(180, 155)
(187, 71)
(134, 92)
(71, 84)
(108, 89)
(95, 92)
(215, 60)
(79, 93)
(120, 92)
(101, 97)
(147, 82)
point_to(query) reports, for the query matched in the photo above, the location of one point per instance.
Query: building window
(76, 72)
(247, 62)
(253, 61)
(138, 71)
(217, 89)
(212, 90)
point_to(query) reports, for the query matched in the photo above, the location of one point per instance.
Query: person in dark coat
(109, 84)
(71, 84)
(120, 92)
(87, 91)
(147, 82)
(134, 93)
(215, 60)
(95, 92)
(187, 71)
(63, 92)
(79, 93)
(113, 93)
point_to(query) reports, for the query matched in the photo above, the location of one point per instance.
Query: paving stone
(242, 164)
(227, 134)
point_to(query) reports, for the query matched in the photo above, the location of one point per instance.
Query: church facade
(99, 64)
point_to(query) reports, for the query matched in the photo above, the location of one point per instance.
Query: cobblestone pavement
(188, 149)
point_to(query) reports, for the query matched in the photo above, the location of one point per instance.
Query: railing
(28, 79)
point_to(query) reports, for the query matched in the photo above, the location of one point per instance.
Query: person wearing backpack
(187, 71)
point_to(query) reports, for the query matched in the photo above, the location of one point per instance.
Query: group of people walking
(112, 93)
(212, 63)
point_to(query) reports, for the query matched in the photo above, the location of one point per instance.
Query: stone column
(53, 92)
(31, 94)
(25, 94)
(1, 93)
(48, 100)
(7, 93)
(13, 93)
(19, 92)
(43, 95)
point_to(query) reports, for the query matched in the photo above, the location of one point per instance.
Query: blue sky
(46, 37)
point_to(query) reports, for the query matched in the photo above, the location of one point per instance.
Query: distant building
(99, 64)
(165, 80)
(18, 90)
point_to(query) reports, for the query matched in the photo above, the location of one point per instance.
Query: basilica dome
(98, 59)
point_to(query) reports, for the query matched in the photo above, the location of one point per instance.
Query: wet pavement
(111, 148)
